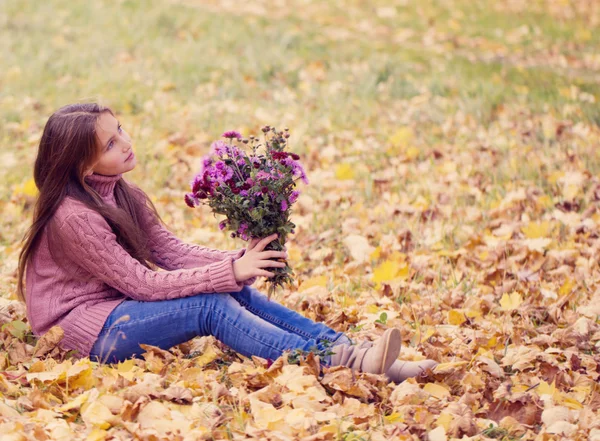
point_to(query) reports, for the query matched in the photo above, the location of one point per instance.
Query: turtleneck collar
(104, 185)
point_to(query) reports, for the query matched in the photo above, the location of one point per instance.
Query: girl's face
(116, 152)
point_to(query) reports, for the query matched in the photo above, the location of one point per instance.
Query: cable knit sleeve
(171, 253)
(92, 245)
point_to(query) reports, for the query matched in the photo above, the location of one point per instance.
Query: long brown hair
(67, 148)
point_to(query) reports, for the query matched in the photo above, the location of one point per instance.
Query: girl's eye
(119, 128)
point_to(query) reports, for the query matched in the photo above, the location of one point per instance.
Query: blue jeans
(246, 321)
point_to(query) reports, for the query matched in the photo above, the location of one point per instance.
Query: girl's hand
(253, 261)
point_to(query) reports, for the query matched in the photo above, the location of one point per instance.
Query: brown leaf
(177, 394)
(48, 341)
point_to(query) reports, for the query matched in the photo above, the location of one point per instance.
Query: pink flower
(232, 134)
(284, 205)
(264, 175)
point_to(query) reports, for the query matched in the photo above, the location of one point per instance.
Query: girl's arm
(91, 244)
(171, 253)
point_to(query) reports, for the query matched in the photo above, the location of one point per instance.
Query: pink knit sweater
(55, 297)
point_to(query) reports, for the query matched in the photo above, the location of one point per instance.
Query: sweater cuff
(222, 277)
(237, 253)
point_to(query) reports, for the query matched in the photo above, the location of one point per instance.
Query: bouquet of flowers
(253, 190)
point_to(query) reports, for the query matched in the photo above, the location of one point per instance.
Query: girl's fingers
(270, 264)
(262, 273)
(264, 242)
(273, 255)
(252, 243)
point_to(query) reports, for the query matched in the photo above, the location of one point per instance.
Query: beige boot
(377, 358)
(401, 370)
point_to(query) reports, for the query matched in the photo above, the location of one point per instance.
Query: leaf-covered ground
(452, 148)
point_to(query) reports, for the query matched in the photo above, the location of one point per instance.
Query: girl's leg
(171, 322)
(287, 319)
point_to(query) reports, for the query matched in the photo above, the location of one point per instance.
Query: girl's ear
(88, 172)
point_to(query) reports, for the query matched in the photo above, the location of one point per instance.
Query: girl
(90, 257)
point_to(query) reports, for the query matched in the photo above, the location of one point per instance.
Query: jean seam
(294, 329)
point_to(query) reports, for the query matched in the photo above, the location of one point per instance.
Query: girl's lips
(130, 157)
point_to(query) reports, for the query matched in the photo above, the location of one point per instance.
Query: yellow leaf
(372, 309)
(85, 380)
(395, 417)
(344, 172)
(422, 334)
(376, 254)
(314, 281)
(74, 404)
(97, 435)
(436, 390)
(207, 356)
(390, 270)
(97, 415)
(29, 189)
(572, 403)
(583, 34)
(444, 420)
(567, 287)
(545, 388)
(535, 230)
(510, 302)
(449, 366)
(456, 317)
(412, 152)
(402, 137)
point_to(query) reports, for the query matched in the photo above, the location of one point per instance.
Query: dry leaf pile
(454, 194)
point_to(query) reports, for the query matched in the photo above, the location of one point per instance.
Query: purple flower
(196, 183)
(219, 148)
(241, 162)
(294, 196)
(244, 193)
(232, 134)
(242, 230)
(222, 225)
(284, 205)
(222, 172)
(297, 169)
(190, 200)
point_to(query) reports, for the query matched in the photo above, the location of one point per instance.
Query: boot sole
(394, 337)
